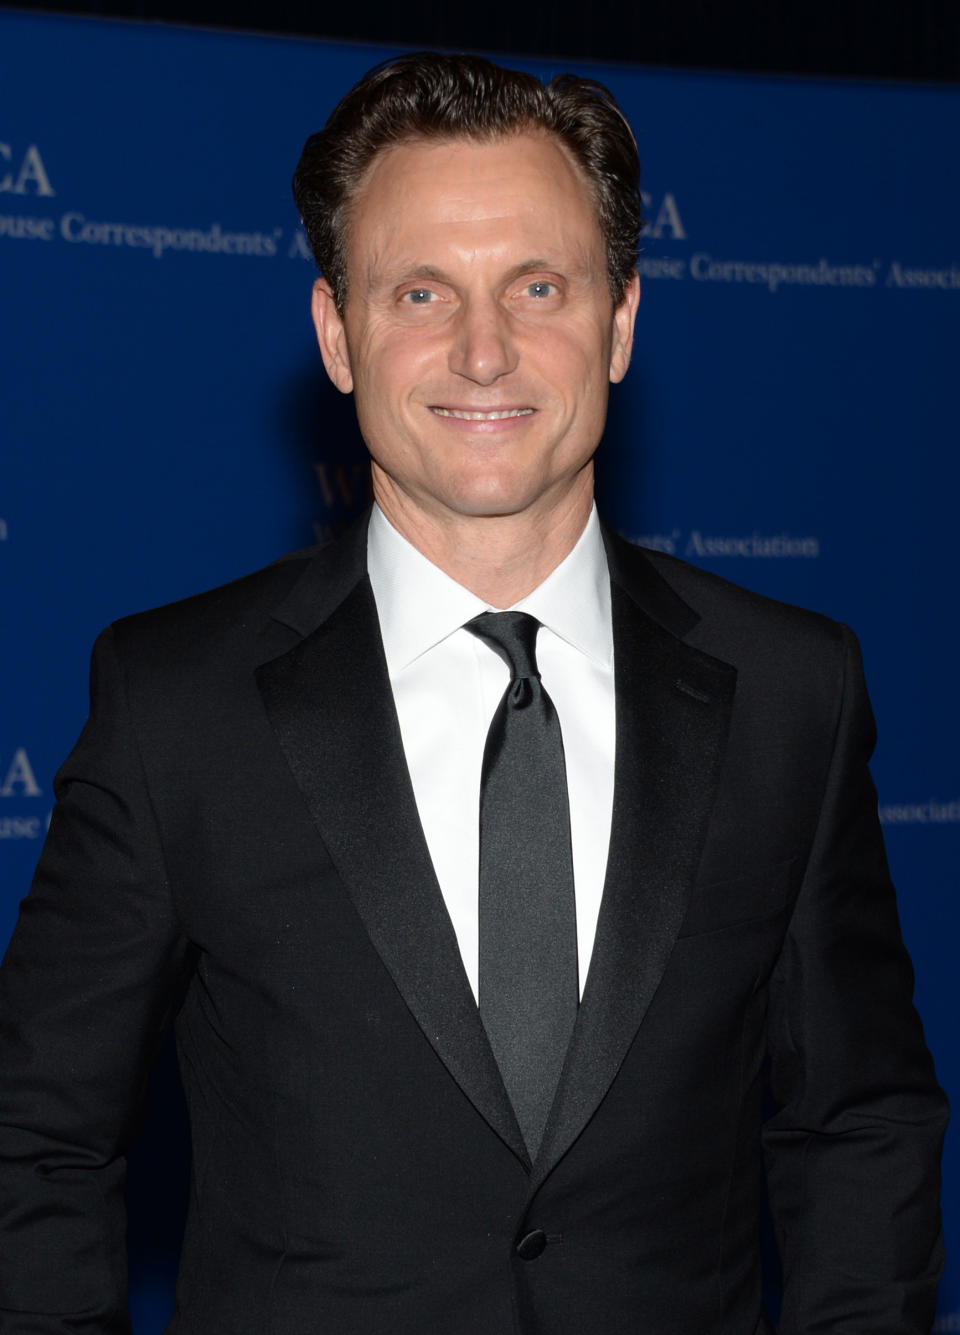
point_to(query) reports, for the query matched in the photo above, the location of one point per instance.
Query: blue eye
(418, 296)
(540, 289)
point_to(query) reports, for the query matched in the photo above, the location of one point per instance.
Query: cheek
(574, 359)
(392, 371)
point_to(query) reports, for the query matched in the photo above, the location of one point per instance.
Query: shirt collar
(418, 605)
(574, 600)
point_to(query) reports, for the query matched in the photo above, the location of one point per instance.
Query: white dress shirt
(447, 684)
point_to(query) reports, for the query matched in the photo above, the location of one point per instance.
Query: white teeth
(482, 417)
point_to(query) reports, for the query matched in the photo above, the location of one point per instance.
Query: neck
(500, 558)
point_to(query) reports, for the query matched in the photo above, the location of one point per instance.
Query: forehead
(468, 196)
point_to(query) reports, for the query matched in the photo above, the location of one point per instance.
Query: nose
(483, 348)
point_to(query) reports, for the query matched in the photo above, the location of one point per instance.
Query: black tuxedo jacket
(236, 845)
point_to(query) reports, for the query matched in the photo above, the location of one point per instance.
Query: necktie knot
(512, 635)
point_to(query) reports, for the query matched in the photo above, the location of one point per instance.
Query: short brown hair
(434, 96)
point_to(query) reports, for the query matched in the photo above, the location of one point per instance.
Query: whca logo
(23, 173)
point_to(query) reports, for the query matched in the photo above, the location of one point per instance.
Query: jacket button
(532, 1246)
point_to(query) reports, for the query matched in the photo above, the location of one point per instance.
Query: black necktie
(529, 988)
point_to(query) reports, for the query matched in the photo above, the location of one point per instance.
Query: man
(477, 927)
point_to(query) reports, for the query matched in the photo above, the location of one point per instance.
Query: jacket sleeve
(853, 1152)
(92, 973)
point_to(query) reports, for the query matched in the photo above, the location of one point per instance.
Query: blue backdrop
(789, 420)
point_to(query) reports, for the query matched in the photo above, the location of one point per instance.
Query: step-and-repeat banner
(790, 420)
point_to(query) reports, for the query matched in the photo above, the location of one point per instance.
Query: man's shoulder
(705, 590)
(245, 601)
(247, 620)
(727, 619)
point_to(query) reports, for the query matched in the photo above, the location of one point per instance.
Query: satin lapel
(331, 706)
(673, 707)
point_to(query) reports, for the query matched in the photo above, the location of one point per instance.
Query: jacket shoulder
(242, 604)
(780, 651)
(726, 611)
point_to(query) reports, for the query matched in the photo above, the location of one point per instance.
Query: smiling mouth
(466, 416)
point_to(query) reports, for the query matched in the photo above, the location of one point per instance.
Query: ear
(623, 321)
(331, 336)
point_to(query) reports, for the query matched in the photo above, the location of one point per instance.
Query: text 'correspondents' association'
(773, 276)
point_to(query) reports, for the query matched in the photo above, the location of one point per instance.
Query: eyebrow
(431, 273)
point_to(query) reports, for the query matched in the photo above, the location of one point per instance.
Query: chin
(494, 501)
(495, 491)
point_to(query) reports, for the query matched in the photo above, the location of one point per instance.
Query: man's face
(479, 335)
